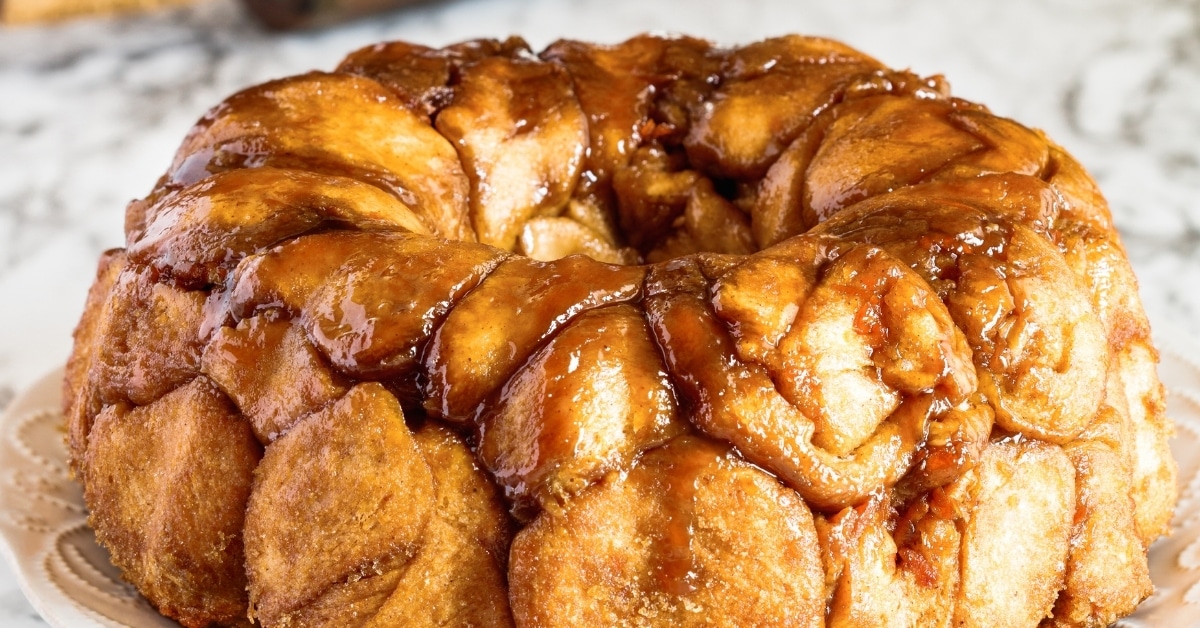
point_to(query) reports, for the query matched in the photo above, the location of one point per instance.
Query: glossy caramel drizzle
(448, 322)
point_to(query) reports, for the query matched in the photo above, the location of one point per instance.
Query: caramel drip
(680, 468)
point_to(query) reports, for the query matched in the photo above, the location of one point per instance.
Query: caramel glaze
(835, 271)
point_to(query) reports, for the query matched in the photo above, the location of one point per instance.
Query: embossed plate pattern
(69, 580)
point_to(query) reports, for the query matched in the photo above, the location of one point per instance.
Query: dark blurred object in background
(297, 14)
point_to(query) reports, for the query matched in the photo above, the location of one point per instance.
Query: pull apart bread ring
(652, 334)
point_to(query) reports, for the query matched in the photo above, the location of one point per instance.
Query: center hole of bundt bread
(663, 210)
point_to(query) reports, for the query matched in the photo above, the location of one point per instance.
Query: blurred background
(95, 95)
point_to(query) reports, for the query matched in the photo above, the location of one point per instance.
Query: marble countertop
(91, 112)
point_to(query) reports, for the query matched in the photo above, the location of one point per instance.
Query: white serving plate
(69, 580)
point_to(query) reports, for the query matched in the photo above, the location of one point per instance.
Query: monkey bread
(659, 333)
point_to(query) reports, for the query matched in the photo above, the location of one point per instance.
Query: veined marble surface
(92, 111)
